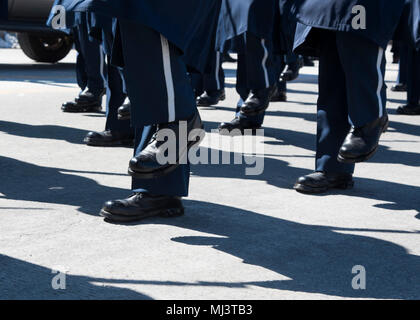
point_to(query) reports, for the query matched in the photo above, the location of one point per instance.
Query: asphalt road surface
(243, 237)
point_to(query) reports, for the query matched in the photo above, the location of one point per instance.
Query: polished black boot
(399, 87)
(308, 62)
(140, 206)
(211, 98)
(109, 139)
(124, 112)
(146, 165)
(73, 107)
(237, 126)
(87, 97)
(292, 71)
(278, 95)
(361, 143)
(257, 102)
(320, 182)
(85, 102)
(409, 109)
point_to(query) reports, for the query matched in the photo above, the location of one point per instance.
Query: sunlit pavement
(243, 237)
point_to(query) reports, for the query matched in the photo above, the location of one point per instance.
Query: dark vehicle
(28, 18)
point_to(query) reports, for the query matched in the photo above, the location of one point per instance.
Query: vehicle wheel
(49, 48)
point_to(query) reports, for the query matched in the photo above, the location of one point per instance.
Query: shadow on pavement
(317, 259)
(21, 280)
(28, 182)
(52, 74)
(280, 174)
(72, 135)
(308, 141)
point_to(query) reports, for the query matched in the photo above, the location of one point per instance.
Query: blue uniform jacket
(182, 22)
(267, 19)
(382, 17)
(239, 16)
(408, 30)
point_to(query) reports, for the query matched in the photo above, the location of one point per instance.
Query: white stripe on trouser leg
(264, 63)
(217, 70)
(380, 81)
(101, 65)
(166, 54)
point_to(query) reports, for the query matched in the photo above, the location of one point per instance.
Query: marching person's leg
(196, 82)
(117, 132)
(240, 122)
(161, 97)
(165, 95)
(213, 83)
(261, 74)
(280, 89)
(396, 51)
(255, 81)
(333, 124)
(294, 64)
(401, 84)
(81, 75)
(150, 197)
(90, 99)
(364, 64)
(413, 84)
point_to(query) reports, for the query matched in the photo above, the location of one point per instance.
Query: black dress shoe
(320, 182)
(396, 58)
(308, 62)
(292, 71)
(212, 98)
(109, 139)
(361, 143)
(87, 97)
(77, 108)
(409, 109)
(146, 165)
(399, 87)
(237, 126)
(140, 206)
(257, 102)
(278, 95)
(124, 112)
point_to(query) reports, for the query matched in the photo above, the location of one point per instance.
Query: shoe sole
(255, 113)
(165, 170)
(301, 188)
(278, 99)
(123, 118)
(360, 159)
(84, 110)
(225, 132)
(408, 113)
(364, 157)
(164, 213)
(212, 104)
(124, 143)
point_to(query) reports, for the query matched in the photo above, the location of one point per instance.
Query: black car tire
(49, 48)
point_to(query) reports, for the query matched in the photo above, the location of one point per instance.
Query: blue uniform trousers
(402, 73)
(257, 69)
(90, 58)
(351, 91)
(160, 92)
(213, 79)
(115, 87)
(413, 76)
